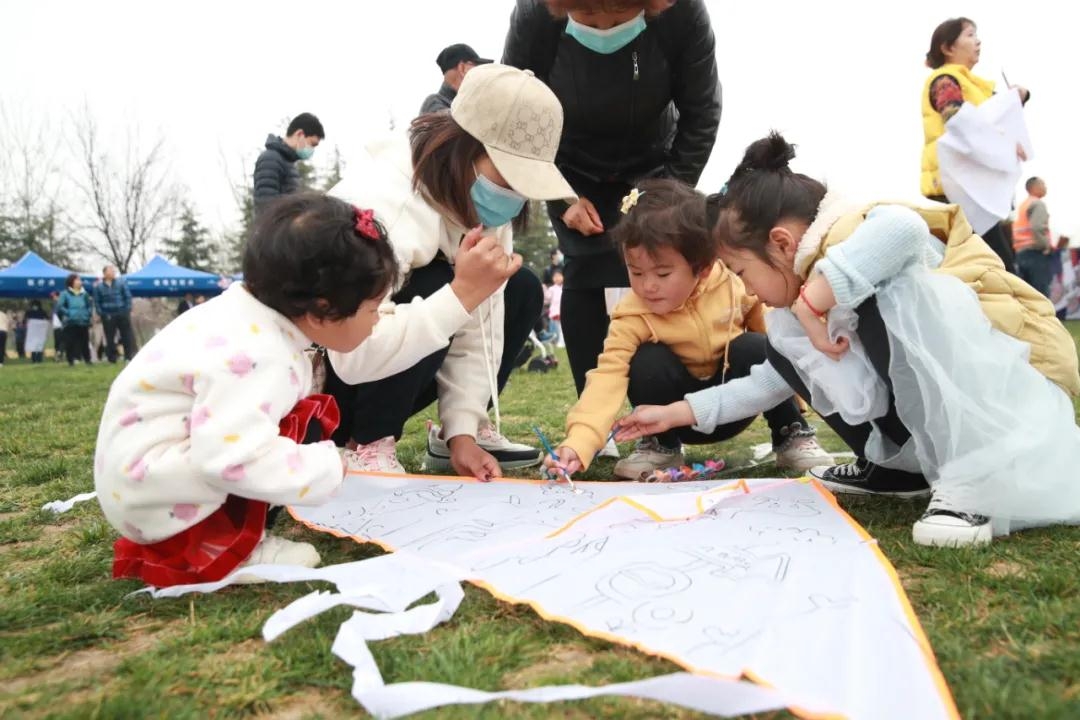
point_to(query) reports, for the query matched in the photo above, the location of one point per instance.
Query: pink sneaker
(378, 456)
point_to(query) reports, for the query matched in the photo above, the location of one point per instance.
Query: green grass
(1004, 620)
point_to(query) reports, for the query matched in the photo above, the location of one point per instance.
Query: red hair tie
(365, 223)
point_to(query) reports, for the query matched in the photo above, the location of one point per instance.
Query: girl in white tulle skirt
(947, 375)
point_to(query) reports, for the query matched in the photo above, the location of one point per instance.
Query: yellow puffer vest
(976, 90)
(1012, 306)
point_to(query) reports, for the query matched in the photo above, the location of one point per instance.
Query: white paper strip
(62, 506)
(720, 697)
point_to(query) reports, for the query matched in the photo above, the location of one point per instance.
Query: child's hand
(568, 461)
(818, 332)
(468, 458)
(481, 266)
(815, 297)
(653, 419)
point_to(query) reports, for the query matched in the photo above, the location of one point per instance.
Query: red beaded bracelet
(802, 296)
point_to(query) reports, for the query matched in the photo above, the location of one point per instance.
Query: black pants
(584, 327)
(875, 339)
(77, 340)
(658, 377)
(3, 345)
(994, 237)
(591, 264)
(374, 410)
(119, 323)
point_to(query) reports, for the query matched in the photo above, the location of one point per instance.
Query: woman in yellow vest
(913, 343)
(954, 51)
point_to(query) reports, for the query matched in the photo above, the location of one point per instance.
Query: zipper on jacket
(637, 74)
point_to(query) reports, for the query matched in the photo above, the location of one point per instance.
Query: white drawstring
(493, 385)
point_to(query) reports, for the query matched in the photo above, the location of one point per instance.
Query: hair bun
(772, 153)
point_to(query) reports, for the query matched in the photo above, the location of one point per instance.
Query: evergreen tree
(231, 251)
(534, 244)
(333, 175)
(193, 248)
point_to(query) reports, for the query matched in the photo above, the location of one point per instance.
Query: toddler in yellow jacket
(687, 324)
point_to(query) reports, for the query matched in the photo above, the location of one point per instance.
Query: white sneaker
(648, 457)
(800, 450)
(508, 454)
(274, 550)
(611, 450)
(378, 456)
(945, 526)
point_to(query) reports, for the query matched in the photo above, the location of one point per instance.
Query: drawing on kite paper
(580, 548)
(656, 596)
(468, 531)
(722, 639)
(371, 520)
(767, 504)
(808, 536)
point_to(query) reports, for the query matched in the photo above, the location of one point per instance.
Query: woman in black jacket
(638, 84)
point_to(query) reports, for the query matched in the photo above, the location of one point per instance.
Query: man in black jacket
(454, 62)
(641, 98)
(275, 170)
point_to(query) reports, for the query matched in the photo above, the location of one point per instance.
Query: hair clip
(365, 223)
(630, 200)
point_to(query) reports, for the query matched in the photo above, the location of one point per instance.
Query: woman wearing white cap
(476, 165)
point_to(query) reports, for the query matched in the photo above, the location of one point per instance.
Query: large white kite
(767, 580)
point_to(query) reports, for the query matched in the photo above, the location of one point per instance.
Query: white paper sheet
(977, 158)
(718, 582)
(37, 332)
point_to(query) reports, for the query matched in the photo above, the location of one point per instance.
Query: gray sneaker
(648, 457)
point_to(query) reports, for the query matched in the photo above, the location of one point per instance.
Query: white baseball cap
(519, 121)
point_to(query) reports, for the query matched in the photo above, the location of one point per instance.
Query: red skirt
(213, 548)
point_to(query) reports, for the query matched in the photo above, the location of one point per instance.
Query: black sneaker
(863, 477)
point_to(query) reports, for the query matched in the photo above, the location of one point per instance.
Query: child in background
(554, 298)
(910, 338)
(687, 324)
(205, 428)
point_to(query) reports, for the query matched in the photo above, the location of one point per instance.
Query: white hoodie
(382, 180)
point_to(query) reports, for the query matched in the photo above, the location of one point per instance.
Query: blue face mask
(495, 205)
(305, 153)
(607, 41)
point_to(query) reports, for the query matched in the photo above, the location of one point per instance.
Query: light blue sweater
(892, 238)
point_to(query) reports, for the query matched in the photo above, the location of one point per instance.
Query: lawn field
(1004, 620)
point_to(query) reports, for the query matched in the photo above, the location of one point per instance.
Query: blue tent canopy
(160, 278)
(32, 277)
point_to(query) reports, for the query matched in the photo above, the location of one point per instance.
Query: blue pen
(551, 451)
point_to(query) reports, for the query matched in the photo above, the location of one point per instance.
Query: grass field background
(1004, 620)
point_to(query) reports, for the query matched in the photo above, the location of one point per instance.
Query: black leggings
(875, 340)
(375, 410)
(658, 377)
(584, 326)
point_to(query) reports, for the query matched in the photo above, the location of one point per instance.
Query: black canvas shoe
(863, 477)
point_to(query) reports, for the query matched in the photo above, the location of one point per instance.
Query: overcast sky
(841, 79)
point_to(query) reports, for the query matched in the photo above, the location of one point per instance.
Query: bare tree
(128, 206)
(31, 208)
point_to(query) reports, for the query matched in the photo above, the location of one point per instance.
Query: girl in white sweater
(205, 429)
